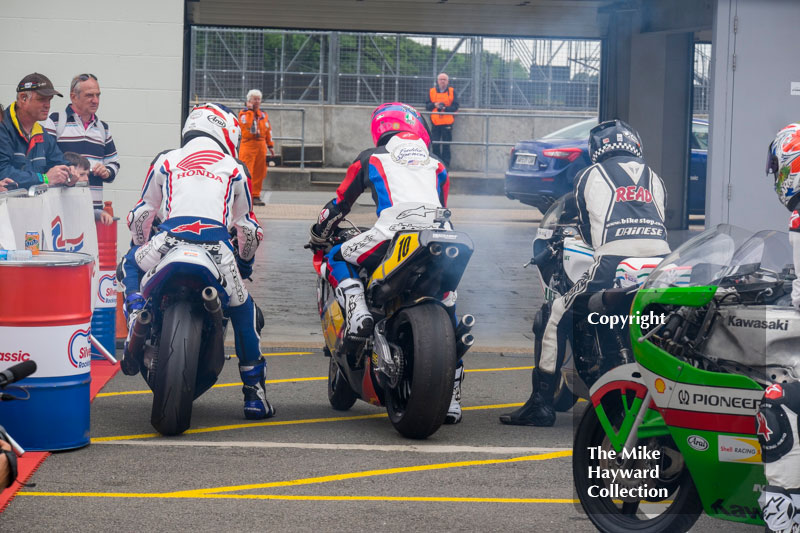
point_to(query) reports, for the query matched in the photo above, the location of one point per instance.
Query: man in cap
(28, 154)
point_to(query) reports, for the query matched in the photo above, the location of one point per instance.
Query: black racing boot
(538, 410)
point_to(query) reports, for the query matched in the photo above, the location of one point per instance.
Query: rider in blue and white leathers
(200, 193)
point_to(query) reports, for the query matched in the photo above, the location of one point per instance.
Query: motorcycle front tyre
(604, 513)
(176, 369)
(418, 405)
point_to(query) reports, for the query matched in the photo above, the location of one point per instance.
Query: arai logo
(215, 120)
(78, 349)
(698, 443)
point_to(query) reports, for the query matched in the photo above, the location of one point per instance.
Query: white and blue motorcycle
(177, 342)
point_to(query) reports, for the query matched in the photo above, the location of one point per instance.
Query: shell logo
(660, 386)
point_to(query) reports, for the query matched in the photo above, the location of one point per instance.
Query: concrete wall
(136, 52)
(751, 101)
(344, 133)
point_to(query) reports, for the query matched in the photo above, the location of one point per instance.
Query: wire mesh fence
(701, 84)
(361, 68)
(370, 68)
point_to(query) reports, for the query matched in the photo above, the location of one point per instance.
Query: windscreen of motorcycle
(550, 221)
(721, 255)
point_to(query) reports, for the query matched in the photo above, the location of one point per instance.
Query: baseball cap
(39, 83)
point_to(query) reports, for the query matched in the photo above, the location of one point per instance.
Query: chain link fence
(362, 68)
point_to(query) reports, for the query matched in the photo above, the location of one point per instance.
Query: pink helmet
(396, 117)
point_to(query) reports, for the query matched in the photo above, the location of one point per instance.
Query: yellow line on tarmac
(291, 380)
(217, 386)
(289, 497)
(282, 423)
(373, 473)
(501, 369)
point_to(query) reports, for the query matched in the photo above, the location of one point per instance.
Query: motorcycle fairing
(186, 261)
(578, 257)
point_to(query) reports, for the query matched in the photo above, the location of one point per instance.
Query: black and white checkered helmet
(613, 137)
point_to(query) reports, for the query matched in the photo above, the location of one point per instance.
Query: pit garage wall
(749, 104)
(136, 52)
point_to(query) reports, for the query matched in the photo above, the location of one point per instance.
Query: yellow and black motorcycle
(409, 362)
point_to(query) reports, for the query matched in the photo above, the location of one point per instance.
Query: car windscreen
(579, 130)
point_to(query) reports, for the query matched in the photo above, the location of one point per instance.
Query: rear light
(570, 154)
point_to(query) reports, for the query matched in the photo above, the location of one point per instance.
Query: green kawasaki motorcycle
(675, 433)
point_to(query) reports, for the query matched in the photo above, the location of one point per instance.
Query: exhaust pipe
(463, 344)
(451, 252)
(216, 344)
(133, 352)
(465, 325)
(211, 302)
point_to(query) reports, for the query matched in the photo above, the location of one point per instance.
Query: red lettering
(14, 357)
(632, 193)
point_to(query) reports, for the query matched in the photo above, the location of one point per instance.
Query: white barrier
(63, 217)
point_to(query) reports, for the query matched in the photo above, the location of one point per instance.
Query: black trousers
(442, 151)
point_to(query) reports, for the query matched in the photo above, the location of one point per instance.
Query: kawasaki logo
(760, 324)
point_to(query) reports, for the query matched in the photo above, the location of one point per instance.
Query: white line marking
(265, 196)
(496, 450)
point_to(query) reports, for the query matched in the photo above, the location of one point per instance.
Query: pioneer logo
(683, 397)
(14, 357)
(716, 400)
(782, 325)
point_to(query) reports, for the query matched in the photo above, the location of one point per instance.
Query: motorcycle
(408, 363)
(562, 258)
(177, 343)
(685, 410)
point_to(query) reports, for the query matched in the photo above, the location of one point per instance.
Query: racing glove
(245, 267)
(315, 242)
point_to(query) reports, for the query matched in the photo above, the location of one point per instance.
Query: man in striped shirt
(78, 129)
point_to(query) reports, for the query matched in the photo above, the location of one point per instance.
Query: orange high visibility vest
(446, 98)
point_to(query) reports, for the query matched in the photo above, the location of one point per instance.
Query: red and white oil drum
(45, 316)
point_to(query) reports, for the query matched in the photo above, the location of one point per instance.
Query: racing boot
(350, 294)
(134, 304)
(256, 405)
(538, 410)
(454, 411)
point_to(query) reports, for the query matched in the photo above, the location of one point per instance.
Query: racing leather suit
(621, 209)
(407, 186)
(200, 194)
(778, 430)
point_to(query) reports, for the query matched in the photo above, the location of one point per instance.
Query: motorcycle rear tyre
(418, 405)
(340, 394)
(679, 517)
(176, 369)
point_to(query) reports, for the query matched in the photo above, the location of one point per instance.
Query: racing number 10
(403, 246)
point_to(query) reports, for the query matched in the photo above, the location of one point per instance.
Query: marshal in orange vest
(446, 98)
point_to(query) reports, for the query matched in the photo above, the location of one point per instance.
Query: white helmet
(215, 121)
(783, 162)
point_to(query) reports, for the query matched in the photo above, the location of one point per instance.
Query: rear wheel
(418, 405)
(677, 509)
(176, 369)
(340, 394)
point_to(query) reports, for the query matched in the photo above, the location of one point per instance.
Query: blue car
(541, 171)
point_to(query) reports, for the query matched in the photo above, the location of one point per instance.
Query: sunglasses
(79, 78)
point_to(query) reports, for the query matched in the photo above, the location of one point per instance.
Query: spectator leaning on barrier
(5, 183)
(79, 167)
(77, 129)
(442, 98)
(28, 154)
(256, 138)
